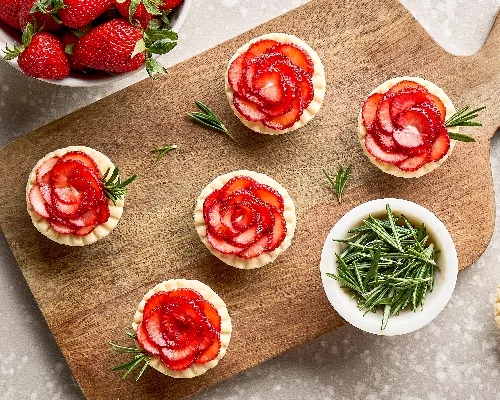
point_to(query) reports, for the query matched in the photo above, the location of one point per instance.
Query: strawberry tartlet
(66, 199)
(245, 218)
(275, 83)
(184, 325)
(402, 127)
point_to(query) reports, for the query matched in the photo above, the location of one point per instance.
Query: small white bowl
(9, 36)
(407, 321)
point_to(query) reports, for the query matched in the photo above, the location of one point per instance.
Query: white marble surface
(455, 357)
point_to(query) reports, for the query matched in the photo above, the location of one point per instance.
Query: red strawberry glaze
(272, 83)
(181, 328)
(69, 194)
(405, 126)
(244, 218)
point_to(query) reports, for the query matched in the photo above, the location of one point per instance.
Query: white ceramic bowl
(435, 301)
(9, 36)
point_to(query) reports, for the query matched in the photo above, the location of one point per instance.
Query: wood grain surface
(89, 295)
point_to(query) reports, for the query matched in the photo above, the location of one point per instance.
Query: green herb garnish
(114, 188)
(388, 264)
(208, 119)
(139, 356)
(162, 151)
(339, 184)
(463, 117)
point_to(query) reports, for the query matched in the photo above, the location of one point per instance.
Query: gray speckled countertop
(457, 356)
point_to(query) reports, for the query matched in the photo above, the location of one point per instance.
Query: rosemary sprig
(162, 151)
(463, 117)
(114, 188)
(339, 184)
(387, 265)
(209, 119)
(139, 356)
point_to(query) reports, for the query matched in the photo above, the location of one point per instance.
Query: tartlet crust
(266, 257)
(318, 80)
(391, 168)
(102, 230)
(209, 295)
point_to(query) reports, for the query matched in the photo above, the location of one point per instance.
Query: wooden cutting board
(89, 295)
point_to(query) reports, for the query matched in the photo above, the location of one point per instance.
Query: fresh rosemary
(388, 264)
(339, 184)
(162, 151)
(139, 356)
(209, 119)
(463, 117)
(114, 188)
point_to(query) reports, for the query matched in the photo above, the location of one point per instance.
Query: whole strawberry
(40, 56)
(145, 11)
(73, 13)
(68, 41)
(9, 12)
(118, 46)
(42, 18)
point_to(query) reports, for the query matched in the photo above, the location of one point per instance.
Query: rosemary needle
(139, 356)
(463, 117)
(162, 151)
(339, 184)
(114, 188)
(208, 119)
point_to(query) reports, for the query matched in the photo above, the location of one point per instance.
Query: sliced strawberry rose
(145, 342)
(234, 185)
(258, 48)
(236, 72)
(414, 129)
(36, 201)
(392, 157)
(370, 107)
(296, 55)
(211, 313)
(43, 170)
(414, 163)
(269, 86)
(268, 195)
(221, 245)
(406, 84)
(256, 249)
(211, 352)
(248, 109)
(440, 146)
(287, 120)
(278, 232)
(404, 100)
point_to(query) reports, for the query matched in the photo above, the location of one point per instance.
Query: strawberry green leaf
(151, 7)
(162, 46)
(28, 34)
(154, 68)
(133, 8)
(69, 48)
(140, 47)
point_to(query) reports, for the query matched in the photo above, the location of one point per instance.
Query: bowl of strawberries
(89, 42)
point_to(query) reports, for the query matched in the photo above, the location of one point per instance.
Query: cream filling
(391, 168)
(318, 80)
(100, 231)
(234, 260)
(209, 295)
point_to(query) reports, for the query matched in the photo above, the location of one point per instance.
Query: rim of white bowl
(407, 321)
(72, 81)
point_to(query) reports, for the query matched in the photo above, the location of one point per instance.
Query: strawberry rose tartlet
(275, 83)
(184, 328)
(402, 127)
(245, 218)
(68, 200)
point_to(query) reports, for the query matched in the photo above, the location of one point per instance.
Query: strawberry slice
(64, 210)
(279, 231)
(227, 217)
(46, 192)
(211, 313)
(84, 231)
(61, 228)
(439, 105)
(370, 107)
(415, 129)
(406, 84)
(210, 353)
(404, 100)
(440, 146)
(387, 142)
(264, 215)
(258, 48)
(44, 169)
(296, 55)
(68, 194)
(243, 218)
(257, 248)
(306, 88)
(153, 325)
(287, 120)
(384, 117)
(247, 237)
(269, 196)
(286, 105)
(221, 245)
(413, 163)
(155, 301)
(208, 202)
(177, 365)
(392, 157)
(215, 222)
(236, 72)
(184, 292)
(248, 109)
(37, 202)
(83, 158)
(143, 339)
(235, 185)
(88, 218)
(103, 212)
(268, 86)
